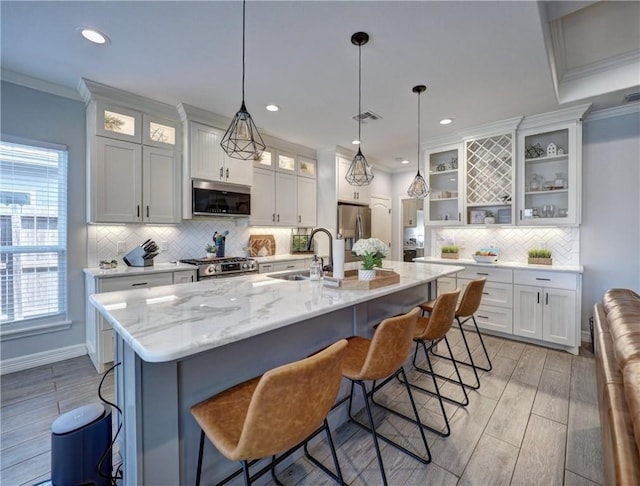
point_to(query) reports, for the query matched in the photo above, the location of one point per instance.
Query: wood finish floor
(534, 420)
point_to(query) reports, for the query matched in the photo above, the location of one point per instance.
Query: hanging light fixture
(418, 188)
(242, 140)
(360, 172)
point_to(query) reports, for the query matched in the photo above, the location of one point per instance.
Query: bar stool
(434, 329)
(382, 358)
(275, 413)
(469, 304)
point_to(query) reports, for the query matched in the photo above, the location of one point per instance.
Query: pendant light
(360, 172)
(242, 140)
(418, 188)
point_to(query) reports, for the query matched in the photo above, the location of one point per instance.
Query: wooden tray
(351, 282)
(257, 242)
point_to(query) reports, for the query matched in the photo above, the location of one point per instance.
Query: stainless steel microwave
(217, 199)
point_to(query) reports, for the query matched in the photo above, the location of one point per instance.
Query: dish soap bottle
(315, 271)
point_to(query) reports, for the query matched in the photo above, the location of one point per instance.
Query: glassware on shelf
(560, 181)
(535, 184)
(548, 211)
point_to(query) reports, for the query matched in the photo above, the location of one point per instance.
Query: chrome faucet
(326, 268)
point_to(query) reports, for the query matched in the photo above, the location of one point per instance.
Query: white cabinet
(133, 166)
(99, 334)
(185, 276)
(444, 172)
(347, 192)
(208, 161)
(286, 199)
(307, 201)
(549, 168)
(284, 265)
(548, 309)
(410, 209)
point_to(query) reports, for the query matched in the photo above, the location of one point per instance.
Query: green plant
(210, 248)
(371, 251)
(450, 249)
(488, 214)
(538, 253)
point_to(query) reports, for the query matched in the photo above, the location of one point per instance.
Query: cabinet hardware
(481, 273)
(482, 317)
(192, 278)
(273, 217)
(227, 173)
(139, 284)
(299, 219)
(147, 210)
(545, 279)
(485, 293)
(138, 210)
(538, 297)
(221, 172)
(278, 217)
(354, 194)
(459, 216)
(547, 299)
(291, 266)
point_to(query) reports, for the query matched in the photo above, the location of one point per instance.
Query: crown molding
(558, 116)
(40, 85)
(613, 112)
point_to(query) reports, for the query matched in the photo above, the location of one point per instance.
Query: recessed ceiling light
(94, 36)
(272, 107)
(404, 161)
(356, 142)
(446, 121)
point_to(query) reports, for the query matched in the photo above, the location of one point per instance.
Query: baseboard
(12, 365)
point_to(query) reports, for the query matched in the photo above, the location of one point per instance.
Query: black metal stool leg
(484, 348)
(245, 473)
(200, 453)
(273, 473)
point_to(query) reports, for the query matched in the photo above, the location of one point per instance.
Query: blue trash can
(79, 439)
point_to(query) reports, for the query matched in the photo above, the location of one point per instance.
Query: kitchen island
(180, 344)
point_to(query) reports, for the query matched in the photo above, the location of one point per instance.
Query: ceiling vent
(366, 117)
(632, 97)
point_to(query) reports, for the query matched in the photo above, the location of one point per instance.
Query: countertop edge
(122, 270)
(499, 264)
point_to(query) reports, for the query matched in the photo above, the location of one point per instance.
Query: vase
(366, 274)
(211, 255)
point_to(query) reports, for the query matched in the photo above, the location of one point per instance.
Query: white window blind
(33, 229)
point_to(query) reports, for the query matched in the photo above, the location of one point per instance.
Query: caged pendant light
(418, 188)
(360, 172)
(242, 140)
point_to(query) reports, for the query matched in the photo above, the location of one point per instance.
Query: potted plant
(450, 251)
(211, 250)
(371, 251)
(540, 257)
(489, 218)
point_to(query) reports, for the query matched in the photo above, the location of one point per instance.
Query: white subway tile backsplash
(564, 242)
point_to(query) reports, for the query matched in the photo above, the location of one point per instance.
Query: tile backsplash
(186, 240)
(564, 242)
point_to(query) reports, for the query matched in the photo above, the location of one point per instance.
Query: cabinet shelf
(444, 199)
(490, 203)
(552, 158)
(443, 172)
(552, 191)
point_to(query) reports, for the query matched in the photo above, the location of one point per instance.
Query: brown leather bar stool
(469, 304)
(275, 413)
(434, 329)
(382, 358)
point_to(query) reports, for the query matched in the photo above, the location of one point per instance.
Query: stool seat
(355, 357)
(427, 306)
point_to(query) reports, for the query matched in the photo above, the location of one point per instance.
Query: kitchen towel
(338, 258)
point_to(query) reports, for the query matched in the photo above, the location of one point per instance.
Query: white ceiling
(481, 61)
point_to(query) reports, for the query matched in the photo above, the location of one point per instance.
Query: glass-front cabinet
(118, 122)
(549, 160)
(444, 168)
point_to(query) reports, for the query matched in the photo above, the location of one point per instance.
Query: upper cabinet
(208, 161)
(549, 168)
(410, 209)
(444, 205)
(347, 192)
(133, 165)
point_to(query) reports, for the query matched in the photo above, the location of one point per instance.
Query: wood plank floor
(534, 420)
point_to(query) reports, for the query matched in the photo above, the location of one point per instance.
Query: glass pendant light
(242, 140)
(360, 172)
(418, 188)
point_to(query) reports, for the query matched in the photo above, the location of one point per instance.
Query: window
(33, 229)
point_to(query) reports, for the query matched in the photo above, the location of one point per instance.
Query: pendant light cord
(359, 93)
(244, 4)
(419, 93)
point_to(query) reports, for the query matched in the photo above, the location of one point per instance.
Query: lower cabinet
(99, 334)
(284, 265)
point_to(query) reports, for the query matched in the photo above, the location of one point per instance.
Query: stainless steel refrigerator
(354, 222)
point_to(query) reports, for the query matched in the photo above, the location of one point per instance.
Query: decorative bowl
(485, 258)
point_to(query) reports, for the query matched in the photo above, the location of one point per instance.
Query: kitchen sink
(293, 275)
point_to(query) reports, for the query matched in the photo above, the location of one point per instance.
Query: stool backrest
(471, 298)
(290, 402)
(441, 318)
(390, 346)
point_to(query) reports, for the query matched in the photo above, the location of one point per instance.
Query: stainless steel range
(223, 267)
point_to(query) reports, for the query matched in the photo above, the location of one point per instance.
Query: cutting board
(258, 242)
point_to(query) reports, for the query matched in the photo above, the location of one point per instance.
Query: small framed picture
(477, 216)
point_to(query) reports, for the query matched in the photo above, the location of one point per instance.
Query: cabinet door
(527, 311)
(160, 186)
(237, 171)
(444, 174)
(306, 201)
(409, 212)
(116, 182)
(346, 192)
(286, 199)
(263, 197)
(559, 317)
(306, 167)
(114, 121)
(158, 132)
(265, 268)
(363, 194)
(205, 153)
(185, 276)
(286, 162)
(495, 318)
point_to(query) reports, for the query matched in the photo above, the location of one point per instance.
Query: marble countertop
(174, 321)
(500, 264)
(122, 269)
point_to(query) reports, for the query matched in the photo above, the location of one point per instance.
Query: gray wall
(36, 115)
(610, 231)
